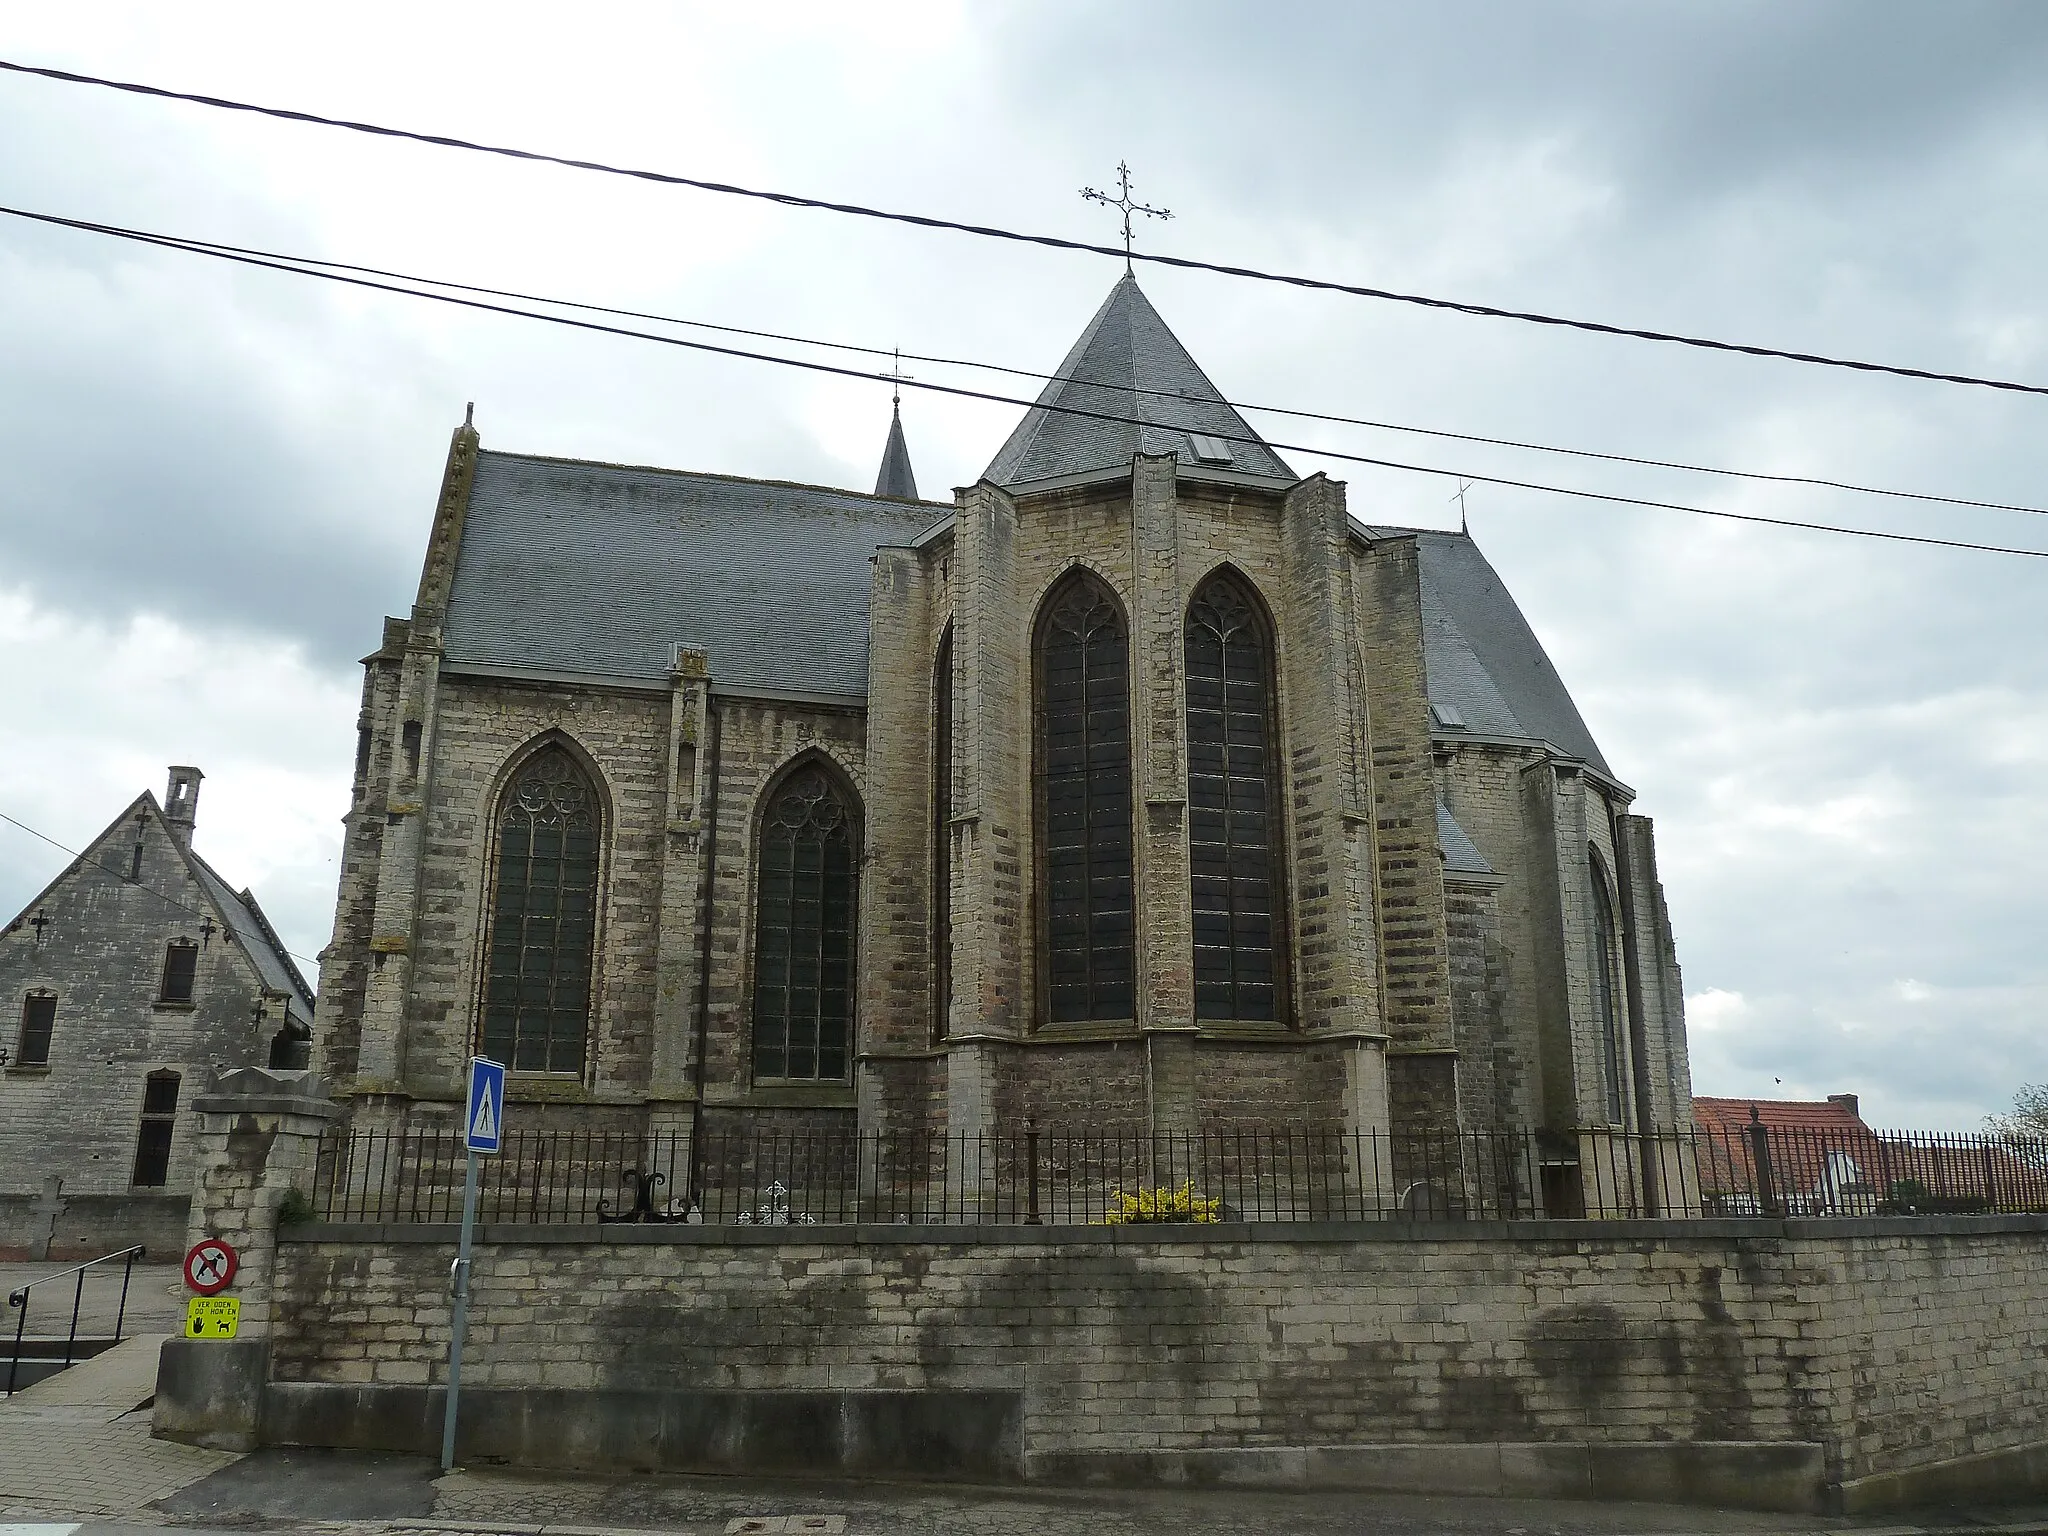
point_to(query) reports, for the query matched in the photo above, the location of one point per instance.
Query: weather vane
(1124, 203)
(898, 375)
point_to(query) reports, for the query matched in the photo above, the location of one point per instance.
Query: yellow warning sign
(213, 1317)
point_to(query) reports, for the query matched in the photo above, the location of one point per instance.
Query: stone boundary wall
(87, 1226)
(1905, 1350)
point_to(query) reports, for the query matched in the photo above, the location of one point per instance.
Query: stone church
(1143, 782)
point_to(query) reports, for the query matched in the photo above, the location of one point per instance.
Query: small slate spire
(896, 479)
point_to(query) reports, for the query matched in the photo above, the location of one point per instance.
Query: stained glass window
(942, 835)
(1233, 806)
(804, 908)
(1606, 1016)
(536, 1014)
(1084, 759)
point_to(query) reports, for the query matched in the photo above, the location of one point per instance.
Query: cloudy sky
(214, 481)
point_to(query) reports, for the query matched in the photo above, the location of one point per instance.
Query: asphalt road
(294, 1490)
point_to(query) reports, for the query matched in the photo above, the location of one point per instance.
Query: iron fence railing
(21, 1296)
(1091, 1174)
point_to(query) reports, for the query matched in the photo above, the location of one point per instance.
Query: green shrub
(294, 1208)
(1162, 1204)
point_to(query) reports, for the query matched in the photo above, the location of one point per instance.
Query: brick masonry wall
(1893, 1344)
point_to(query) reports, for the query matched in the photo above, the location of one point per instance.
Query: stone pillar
(1166, 982)
(898, 906)
(259, 1137)
(672, 1090)
(381, 1065)
(1406, 885)
(991, 827)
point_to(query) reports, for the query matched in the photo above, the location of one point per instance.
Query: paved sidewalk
(78, 1444)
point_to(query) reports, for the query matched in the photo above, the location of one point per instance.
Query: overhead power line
(995, 232)
(897, 354)
(150, 890)
(279, 263)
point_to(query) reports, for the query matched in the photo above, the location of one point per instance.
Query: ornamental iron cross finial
(1123, 202)
(898, 375)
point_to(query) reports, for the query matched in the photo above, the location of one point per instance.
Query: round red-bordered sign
(210, 1265)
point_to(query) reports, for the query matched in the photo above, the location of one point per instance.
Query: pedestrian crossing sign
(213, 1317)
(483, 1117)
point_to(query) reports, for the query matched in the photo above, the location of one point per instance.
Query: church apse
(1150, 806)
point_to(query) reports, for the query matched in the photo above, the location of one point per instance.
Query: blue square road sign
(483, 1119)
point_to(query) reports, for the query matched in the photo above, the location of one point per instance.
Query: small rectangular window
(181, 965)
(38, 1019)
(153, 1138)
(1210, 450)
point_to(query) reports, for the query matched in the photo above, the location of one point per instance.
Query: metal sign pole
(458, 1285)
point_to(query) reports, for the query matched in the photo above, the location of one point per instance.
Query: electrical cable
(169, 901)
(1163, 394)
(956, 391)
(994, 232)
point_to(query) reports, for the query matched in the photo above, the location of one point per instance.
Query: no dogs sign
(210, 1265)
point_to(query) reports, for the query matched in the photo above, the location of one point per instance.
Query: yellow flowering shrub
(1161, 1204)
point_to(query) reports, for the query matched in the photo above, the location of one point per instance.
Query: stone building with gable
(1143, 781)
(128, 984)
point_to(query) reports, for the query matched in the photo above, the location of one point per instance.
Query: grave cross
(1123, 202)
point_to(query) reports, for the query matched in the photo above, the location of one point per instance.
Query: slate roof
(1125, 349)
(1485, 665)
(599, 569)
(895, 478)
(258, 939)
(1461, 854)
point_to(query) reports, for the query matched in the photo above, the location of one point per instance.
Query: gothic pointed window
(804, 906)
(1233, 806)
(942, 835)
(536, 1014)
(1606, 1016)
(1084, 785)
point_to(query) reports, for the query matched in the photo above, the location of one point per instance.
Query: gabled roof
(1129, 365)
(599, 570)
(895, 478)
(252, 930)
(1487, 671)
(239, 913)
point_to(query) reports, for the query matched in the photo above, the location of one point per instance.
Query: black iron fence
(1091, 1175)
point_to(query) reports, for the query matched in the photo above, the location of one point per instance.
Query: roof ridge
(700, 474)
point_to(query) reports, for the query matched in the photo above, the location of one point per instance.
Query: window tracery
(1084, 788)
(804, 919)
(1233, 819)
(536, 1014)
(1606, 1015)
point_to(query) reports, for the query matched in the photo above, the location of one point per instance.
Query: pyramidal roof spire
(1129, 387)
(896, 479)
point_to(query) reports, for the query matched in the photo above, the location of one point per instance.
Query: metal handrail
(19, 1298)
